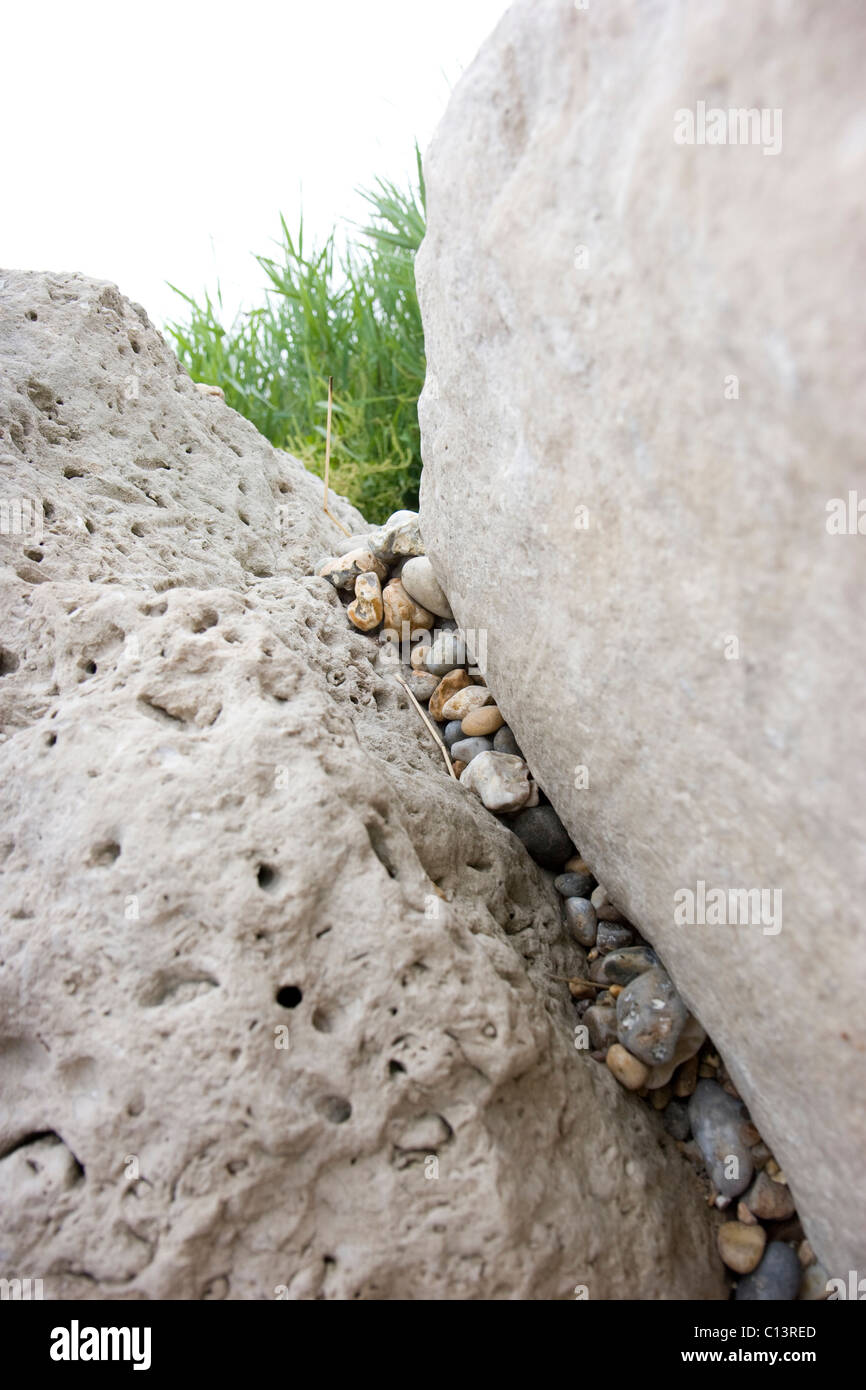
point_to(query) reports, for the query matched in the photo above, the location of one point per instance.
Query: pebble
(604, 908)
(651, 1017)
(573, 885)
(501, 781)
(717, 1124)
(448, 686)
(400, 608)
(422, 685)
(544, 835)
(741, 1247)
(676, 1120)
(769, 1200)
(399, 536)
(813, 1284)
(505, 742)
(577, 865)
(483, 721)
(447, 651)
(366, 609)
(472, 697)
(581, 920)
(776, 1277)
(343, 571)
(689, 1042)
(612, 936)
(422, 585)
(686, 1078)
(451, 733)
(468, 748)
(458, 767)
(207, 389)
(621, 967)
(600, 1019)
(628, 1070)
(418, 654)
(805, 1254)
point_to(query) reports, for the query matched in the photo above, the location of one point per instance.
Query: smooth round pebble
(573, 885)
(777, 1277)
(769, 1200)
(468, 748)
(505, 742)
(421, 584)
(447, 651)
(600, 1019)
(365, 611)
(717, 1121)
(651, 1017)
(401, 610)
(482, 721)
(470, 698)
(629, 1071)
(741, 1246)
(622, 966)
(604, 908)
(612, 936)
(452, 732)
(422, 685)
(581, 920)
(543, 834)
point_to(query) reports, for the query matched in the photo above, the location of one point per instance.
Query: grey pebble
(581, 920)
(465, 749)
(421, 684)
(777, 1277)
(505, 742)
(600, 1019)
(447, 652)
(622, 966)
(612, 936)
(452, 732)
(544, 835)
(572, 885)
(717, 1121)
(651, 1016)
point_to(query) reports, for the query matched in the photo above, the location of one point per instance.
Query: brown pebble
(750, 1134)
(760, 1154)
(576, 866)
(769, 1200)
(741, 1246)
(629, 1071)
(581, 989)
(747, 1217)
(448, 686)
(686, 1078)
(731, 1090)
(772, 1166)
(805, 1254)
(660, 1097)
(482, 721)
(615, 991)
(459, 766)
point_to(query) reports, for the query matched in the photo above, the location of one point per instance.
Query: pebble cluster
(637, 1025)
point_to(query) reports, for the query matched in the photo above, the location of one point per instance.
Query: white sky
(159, 141)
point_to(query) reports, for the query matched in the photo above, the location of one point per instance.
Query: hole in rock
(395, 1068)
(289, 996)
(335, 1109)
(8, 662)
(267, 877)
(105, 852)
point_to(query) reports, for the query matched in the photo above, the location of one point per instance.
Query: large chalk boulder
(644, 353)
(279, 1015)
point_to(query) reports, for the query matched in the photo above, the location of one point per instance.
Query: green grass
(353, 316)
